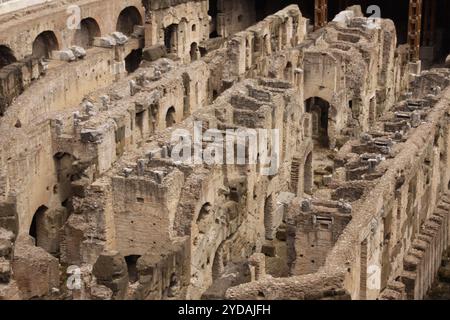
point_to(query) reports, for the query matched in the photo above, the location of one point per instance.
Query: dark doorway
(170, 117)
(213, 12)
(194, 52)
(6, 56)
(319, 110)
(171, 38)
(37, 224)
(131, 261)
(89, 29)
(133, 60)
(128, 18)
(44, 44)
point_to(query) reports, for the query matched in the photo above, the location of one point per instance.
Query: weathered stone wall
(403, 222)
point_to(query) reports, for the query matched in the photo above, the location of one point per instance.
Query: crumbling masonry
(95, 205)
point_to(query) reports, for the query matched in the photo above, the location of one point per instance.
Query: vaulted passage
(194, 52)
(44, 44)
(319, 115)
(128, 19)
(6, 56)
(89, 29)
(37, 225)
(212, 12)
(133, 60)
(131, 261)
(171, 38)
(170, 117)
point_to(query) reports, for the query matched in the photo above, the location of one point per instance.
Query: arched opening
(171, 38)
(6, 56)
(37, 226)
(213, 12)
(128, 18)
(131, 261)
(170, 117)
(44, 44)
(194, 52)
(202, 218)
(288, 72)
(133, 60)
(308, 175)
(84, 36)
(319, 110)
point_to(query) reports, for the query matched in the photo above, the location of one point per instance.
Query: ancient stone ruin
(224, 149)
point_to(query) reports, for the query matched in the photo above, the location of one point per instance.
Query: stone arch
(170, 117)
(171, 38)
(37, 226)
(84, 36)
(131, 261)
(128, 18)
(6, 56)
(320, 119)
(194, 52)
(44, 44)
(202, 218)
(133, 60)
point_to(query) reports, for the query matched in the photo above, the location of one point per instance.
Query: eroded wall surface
(356, 207)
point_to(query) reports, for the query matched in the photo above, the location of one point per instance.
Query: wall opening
(170, 117)
(288, 72)
(128, 19)
(319, 109)
(89, 29)
(140, 123)
(131, 261)
(194, 52)
(171, 38)
(133, 60)
(37, 225)
(44, 44)
(213, 12)
(203, 214)
(6, 56)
